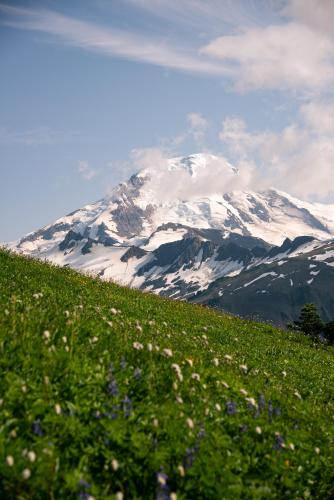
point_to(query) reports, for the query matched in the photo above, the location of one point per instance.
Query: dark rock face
(70, 240)
(133, 252)
(46, 234)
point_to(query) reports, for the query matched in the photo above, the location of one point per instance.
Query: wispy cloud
(86, 172)
(34, 137)
(110, 41)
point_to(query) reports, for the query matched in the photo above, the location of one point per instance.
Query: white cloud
(34, 137)
(286, 56)
(86, 172)
(299, 159)
(110, 41)
(198, 125)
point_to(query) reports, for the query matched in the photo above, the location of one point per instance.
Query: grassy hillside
(107, 392)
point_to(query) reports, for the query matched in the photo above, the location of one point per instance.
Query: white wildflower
(243, 368)
(228, 358)
(138, 346)
(46, 335)
(58, 409)
(225, 385)
(218, 407)
(161, 479)
(26, 473)
(317, 450)
(113, 311)
(181, 470)
(216, 361)
(64, 339)
(190, 362)
(284, 373)
(296, 393)
(167, 353)
(31, 456)
(190, 423)
(173, 496)
(139, 328)
(114, 464)
(119, 496)
(24, 388)
(252, 402)
(155, 422)
(243, 392)
(10, 461)
(149, 347)
(195, 376)
(291, 446)
(258, 430)
(179, 400)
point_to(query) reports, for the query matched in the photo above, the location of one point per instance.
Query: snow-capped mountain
(164, 230)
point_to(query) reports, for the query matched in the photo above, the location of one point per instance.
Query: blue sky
(84, 84)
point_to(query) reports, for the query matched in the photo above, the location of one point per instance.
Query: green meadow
(110, 393)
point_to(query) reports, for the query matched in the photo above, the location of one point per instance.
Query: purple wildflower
(279, 442)
(36, 427)
(189, 457)
(137, 374)
(261, 402)
(163, 492)
(270, 409)
(83, 487)
(127, 406)
(231, 408)
(113, 388)
(123, 363)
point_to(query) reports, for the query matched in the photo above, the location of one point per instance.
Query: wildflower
(167, 353)
(149, 347)
(127, 406)
(231, 408)
(119, 496)
(190, 423)
(179, 400)
(258, 430)
(64, 339)
(177, 371)
(155, 422)
(252, 402)
(243, 392)
(161, 478)
(46, 335)
(216, 361)
(243, 368)
(279, 442)
(173, 496)
(13, 433)
(284, 373)
(195, 376)
(225, 385)
(218, 407)
(296, 393)
(190, 457)
(138, 346)
(113, 388)
(113, 311)
(190, 362)
(36, 427)
(228, 358)
(206, 411)
(31, 456)
(123, 363)
(181, 470)
(24, 388)
(66, 313)
(26, 473)
(10, 461)
(94, 340)
(139, 328)
(317, 450)
(114, 464)
(175, 386)
(291, 446)
(58, 408)
(137, 374)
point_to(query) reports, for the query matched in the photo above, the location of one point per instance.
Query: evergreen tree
(309, 321)
(329, 332)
